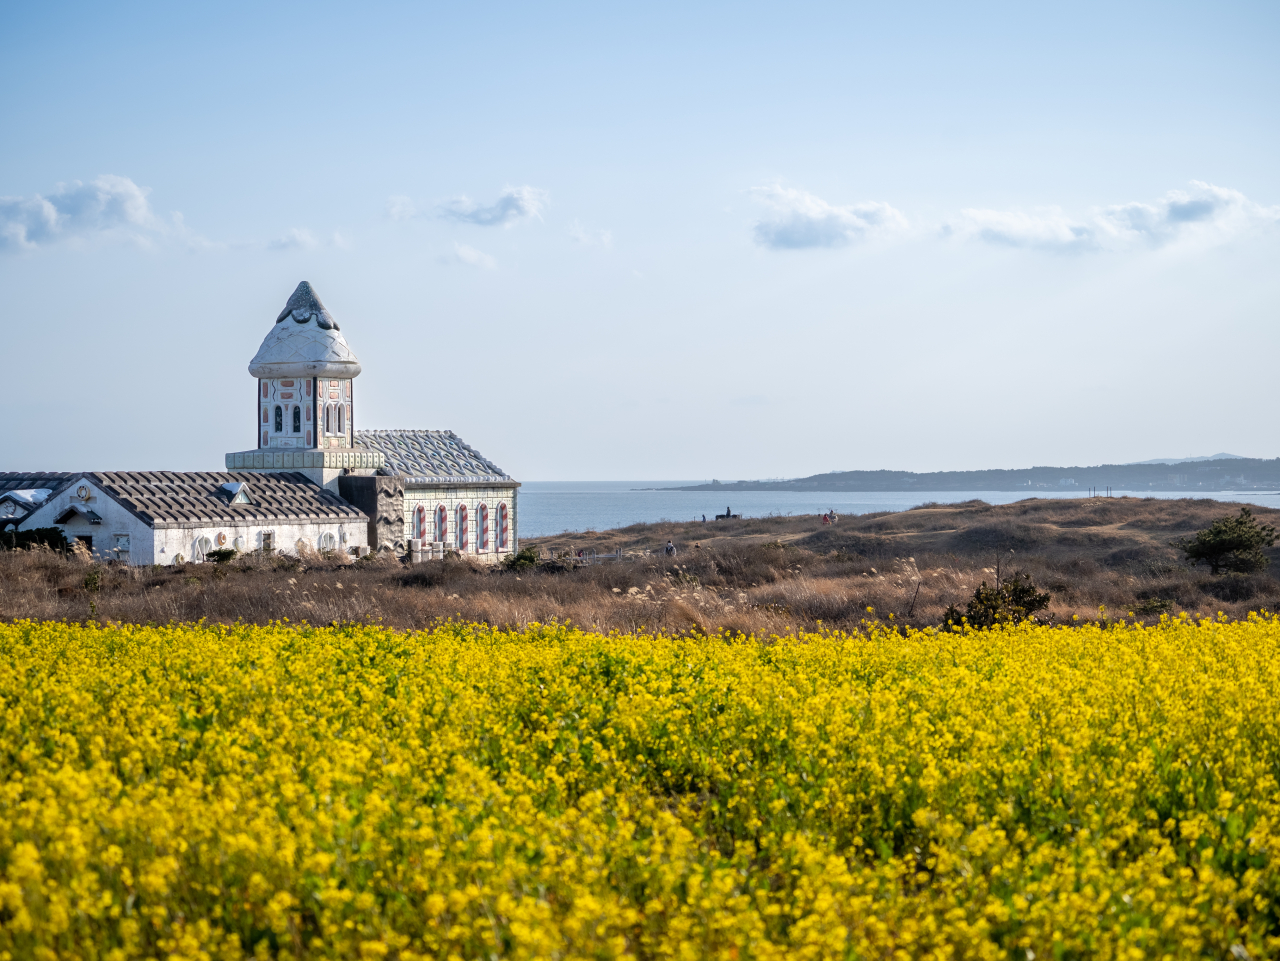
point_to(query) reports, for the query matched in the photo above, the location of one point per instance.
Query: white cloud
(299, 238)
(295, 238)
(401, 208)
(585, 235)
(464, 254)
(1043, 229)
(108, 205)
(514, 203)
(1205, 213)
(803, 220)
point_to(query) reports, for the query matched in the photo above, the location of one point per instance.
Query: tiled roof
(429, 455)
(49, 480)
(168, 498)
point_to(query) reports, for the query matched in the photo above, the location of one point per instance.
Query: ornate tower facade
(305, 410)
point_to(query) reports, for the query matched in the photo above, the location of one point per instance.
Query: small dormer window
(238, 492)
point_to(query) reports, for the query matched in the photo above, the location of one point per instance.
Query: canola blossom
(202, 792)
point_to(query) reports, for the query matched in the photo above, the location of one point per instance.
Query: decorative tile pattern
(435, 455)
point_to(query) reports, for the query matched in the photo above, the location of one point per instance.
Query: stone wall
(382, 498)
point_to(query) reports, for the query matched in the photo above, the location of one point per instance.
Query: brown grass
(767, 575)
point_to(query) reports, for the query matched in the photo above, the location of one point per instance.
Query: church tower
(305, 411)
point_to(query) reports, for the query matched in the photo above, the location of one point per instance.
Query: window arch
(463, 528)
(502, 527)
(482, 528)
(420, 523)
(297, 419)
(279, 419)
(442, 523)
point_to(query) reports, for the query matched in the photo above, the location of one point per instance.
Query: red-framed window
(463, 528)
(420, 523)
(442, 523)
(503, 536)
(482, 527)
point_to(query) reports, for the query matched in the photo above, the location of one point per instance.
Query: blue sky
(660, 241)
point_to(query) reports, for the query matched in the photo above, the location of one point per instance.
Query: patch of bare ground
(762, 575)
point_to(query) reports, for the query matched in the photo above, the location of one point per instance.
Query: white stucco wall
(115, 521)
(170, 542)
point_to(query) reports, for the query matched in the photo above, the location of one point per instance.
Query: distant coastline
(1192, 476)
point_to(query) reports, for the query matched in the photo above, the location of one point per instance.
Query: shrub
(1230, 544)
(221, 556)
(51, 537)
(526, 558)
(1011, 602)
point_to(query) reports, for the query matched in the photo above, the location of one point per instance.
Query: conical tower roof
(305, 342)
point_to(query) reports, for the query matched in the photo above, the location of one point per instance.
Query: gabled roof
(49, 480)
(430, 456)
(180, 499)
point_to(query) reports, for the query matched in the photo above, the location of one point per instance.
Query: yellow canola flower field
(195, 792)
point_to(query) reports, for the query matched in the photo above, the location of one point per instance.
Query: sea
(557, 507)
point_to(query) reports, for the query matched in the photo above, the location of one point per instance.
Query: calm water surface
(553, 507)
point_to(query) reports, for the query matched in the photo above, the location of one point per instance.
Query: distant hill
(1223, 472)
(1189, 460)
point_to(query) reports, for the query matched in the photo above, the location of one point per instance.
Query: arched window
(279, 420)
(341, 421)
(265, 416)
(420, 523)
(297, 419)
(326, 420)
(463, 529)
(482, 528)
(442, 523)
(502, 527)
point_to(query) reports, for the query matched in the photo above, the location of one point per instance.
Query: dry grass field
(763, 576)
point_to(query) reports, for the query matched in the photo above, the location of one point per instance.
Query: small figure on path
(704, 518)
(671, 549)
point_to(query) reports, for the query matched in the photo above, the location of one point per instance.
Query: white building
(420, 485)
(166, 517)
(312, 480)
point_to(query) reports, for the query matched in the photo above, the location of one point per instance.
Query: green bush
(1230, 545)
(525, 559)
(46, 536)
(1011, 602)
